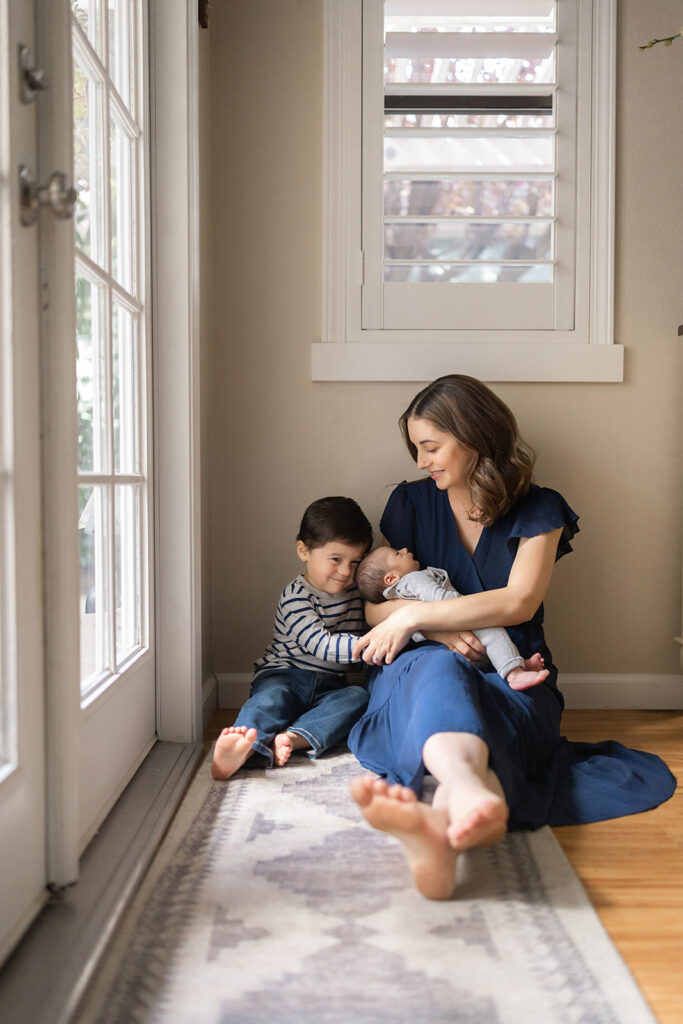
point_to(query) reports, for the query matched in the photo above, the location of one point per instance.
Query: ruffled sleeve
(398, 519)
(540, 511)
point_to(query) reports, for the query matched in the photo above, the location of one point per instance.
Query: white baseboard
(655, 692)
(582, 691)
(209, 700)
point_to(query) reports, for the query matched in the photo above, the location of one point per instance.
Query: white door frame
(60, 455)
(174, 81)
(175, 266)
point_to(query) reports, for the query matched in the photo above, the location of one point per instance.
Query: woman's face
(446, 460)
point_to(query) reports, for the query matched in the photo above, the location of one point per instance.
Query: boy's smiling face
(331, 567)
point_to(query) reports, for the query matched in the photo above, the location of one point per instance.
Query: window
(469, 168)
(111, 326)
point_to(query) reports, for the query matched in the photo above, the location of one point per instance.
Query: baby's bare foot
(233, 747)
(421, 829)
(520, 679)
(535, 663)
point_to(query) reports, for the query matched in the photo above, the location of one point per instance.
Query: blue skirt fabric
(546, 779)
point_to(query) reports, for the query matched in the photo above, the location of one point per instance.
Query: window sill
(513, 361)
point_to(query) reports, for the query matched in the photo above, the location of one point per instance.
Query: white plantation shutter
(469, 190)
(461, 121)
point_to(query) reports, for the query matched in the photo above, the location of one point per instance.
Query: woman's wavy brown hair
(502, 470)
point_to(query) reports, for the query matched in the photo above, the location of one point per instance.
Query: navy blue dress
(428, 689)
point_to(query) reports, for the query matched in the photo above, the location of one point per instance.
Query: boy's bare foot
(520, 679)
(233, 747)
(282, 749)
(422, 830)
(286, 742)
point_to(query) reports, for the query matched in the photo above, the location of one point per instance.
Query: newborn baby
(386, 574)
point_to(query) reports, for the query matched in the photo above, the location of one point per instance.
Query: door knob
(31, 79)
(59, 194)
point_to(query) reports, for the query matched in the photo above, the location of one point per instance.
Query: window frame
(347, 352)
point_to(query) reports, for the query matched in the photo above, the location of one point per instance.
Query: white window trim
(346, 352)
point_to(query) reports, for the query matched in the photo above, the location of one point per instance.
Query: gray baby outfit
(434, 585)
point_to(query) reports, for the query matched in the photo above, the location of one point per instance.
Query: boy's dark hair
(336, 518)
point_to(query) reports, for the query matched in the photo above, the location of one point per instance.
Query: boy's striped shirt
(314, 630)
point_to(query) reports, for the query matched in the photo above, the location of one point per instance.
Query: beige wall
(278, 440)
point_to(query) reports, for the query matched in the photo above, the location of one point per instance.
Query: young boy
(387, 573)
(299, 696)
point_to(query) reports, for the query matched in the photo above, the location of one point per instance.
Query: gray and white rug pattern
(271, 899)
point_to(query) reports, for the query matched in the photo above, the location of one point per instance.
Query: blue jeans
(316, 705)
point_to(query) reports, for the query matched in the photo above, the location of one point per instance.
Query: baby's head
(333, 537)
(382, 568)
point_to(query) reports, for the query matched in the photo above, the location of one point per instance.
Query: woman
(496, 753)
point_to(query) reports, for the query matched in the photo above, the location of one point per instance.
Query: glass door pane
(96, 658)
(88, 155)
(112, 371)
(128, 571)
(91, 373)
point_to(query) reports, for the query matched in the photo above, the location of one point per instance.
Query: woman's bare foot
(520, 679)
(477, 812)
(286, 742)
(233, 747)
(469, 792)
(485, 825)
(422, 830)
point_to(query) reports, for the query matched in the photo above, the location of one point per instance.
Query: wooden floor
(631, 868)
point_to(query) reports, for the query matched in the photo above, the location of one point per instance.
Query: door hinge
(44, 290)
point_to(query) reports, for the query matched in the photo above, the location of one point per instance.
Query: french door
(76, 539)
(110, 255)
(22, 735)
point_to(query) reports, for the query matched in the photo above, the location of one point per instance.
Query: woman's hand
(388, 638)
(463, 641)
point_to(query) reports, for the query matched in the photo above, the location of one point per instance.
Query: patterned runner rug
(272, 901)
